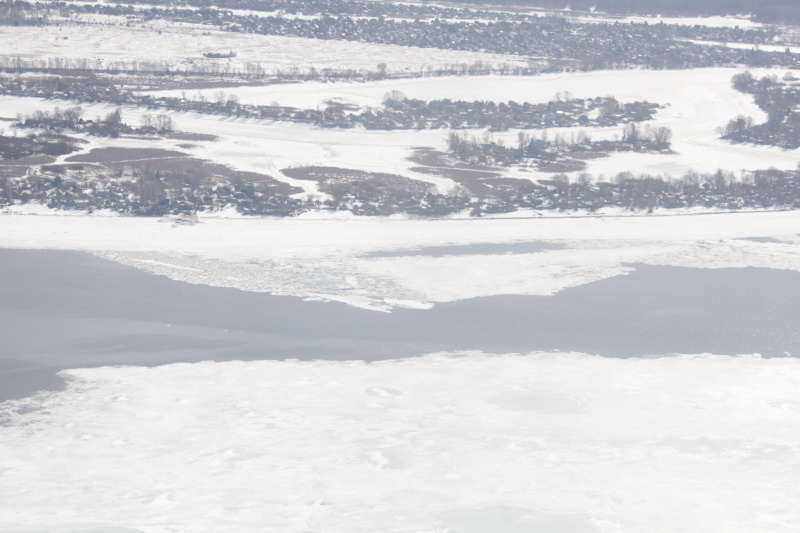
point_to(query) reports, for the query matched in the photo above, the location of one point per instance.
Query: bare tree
(661, 135)
(393, 96)
(164, 124)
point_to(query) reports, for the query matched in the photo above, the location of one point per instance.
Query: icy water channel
(69, 309)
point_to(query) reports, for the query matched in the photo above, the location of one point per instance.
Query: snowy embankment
(327, 258)
(466, 443)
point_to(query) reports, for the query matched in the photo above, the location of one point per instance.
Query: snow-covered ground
(183, 46)
(326, 258)
(447, 443)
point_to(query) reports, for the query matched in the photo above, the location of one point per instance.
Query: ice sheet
(467, 443)
(328, 258)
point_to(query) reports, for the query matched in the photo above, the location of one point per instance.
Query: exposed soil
(10, 171)
(340, 182)
(334, 174)
(61, 169)
(186, 136)
(434, 158)
(565, 165)
(457, 174)
(32, 160)
(588, 156)
(481, 182)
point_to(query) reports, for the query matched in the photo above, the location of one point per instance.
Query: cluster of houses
(151, 195)
(577, 45)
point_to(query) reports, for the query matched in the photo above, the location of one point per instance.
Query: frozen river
(62, 309)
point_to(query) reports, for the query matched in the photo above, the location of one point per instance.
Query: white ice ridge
(446, 443)
(329, 259)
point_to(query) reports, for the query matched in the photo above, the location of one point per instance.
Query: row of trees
(150, 192)
(543, 151)
(397, 112)
(111, 125)
(17, 13)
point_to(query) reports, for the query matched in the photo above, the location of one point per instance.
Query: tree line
(779, 99)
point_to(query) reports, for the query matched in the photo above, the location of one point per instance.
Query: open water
(61, 309)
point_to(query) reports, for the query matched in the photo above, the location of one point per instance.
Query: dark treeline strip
(769, 11)
(150, 191)
(779, 99)
(547, 153)
(398, 112)
(251, 70)
(19, 13)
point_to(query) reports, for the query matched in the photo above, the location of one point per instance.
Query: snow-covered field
(327, 258)
(447, 443)
(183, 47)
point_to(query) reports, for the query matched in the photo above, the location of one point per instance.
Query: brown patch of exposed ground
(588, 156)
(457, 174)
(339, 182)
(187, 136)
(11, 171)
(563, 165)
(178, 170)
(434, 158)
(39, 159)
(61, 169)
(482, 181)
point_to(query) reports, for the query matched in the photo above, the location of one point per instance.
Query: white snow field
(446, 443)
(110, 40)
(325, 258)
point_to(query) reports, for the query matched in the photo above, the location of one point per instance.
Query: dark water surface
(69, 309)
